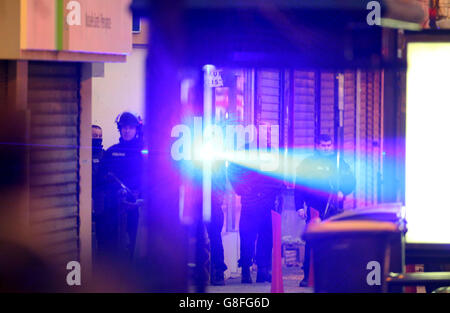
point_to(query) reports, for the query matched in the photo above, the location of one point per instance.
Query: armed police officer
(97, 148)
(97, 155)
(321, 184)
(258, 194)
(121, 171)
(97, 201)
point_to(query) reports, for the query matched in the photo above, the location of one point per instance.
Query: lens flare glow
(287, 162)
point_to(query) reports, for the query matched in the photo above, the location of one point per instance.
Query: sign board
(88, 26)
(214, 79)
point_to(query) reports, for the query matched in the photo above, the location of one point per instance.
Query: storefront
(307, 70)
(46, 75)
(304, 104)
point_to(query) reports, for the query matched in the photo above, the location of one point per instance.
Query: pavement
(291, 278)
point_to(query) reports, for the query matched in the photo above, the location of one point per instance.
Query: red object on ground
(315, 218)
(411, 268)
(277, 273)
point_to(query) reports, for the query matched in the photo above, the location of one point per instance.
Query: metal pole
(207, 138)
(341, 107)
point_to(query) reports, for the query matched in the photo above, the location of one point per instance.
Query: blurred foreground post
(164, 262)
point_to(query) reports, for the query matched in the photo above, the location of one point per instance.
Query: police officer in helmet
(121, 171)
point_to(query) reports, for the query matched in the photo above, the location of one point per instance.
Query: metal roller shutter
(304, 110)
(369, 138)
(362, 146)
(54, 103)
(268, 98)
(376, 153)
(350, 128)
(327, 107)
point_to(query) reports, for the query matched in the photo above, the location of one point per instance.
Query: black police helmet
(127, 119)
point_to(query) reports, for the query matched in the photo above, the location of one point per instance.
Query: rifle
(333, 202)
(127, 190)
(127, 240)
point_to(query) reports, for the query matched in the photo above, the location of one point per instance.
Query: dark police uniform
(117, 224)
(317, 184)
(258, 194)
(97, 156)
(214, 227)
(97, 200)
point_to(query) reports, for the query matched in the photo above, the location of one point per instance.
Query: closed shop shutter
(369, 138)
(304, 110)
(327, 107)
(268, 98)
(361, 125)
(350, 128)
(362, 142)
(376, 140)
(54, 104)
